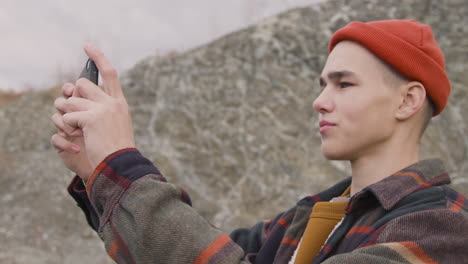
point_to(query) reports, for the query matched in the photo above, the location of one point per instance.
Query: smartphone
(90, 72)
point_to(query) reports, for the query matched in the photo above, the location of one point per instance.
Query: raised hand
(102, 116)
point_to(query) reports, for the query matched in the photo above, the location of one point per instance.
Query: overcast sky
(42, 40)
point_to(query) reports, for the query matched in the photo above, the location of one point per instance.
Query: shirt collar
(392, 189)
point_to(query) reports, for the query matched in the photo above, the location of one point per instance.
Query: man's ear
(413, 95)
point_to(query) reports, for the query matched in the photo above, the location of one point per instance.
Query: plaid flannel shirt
(411, 216)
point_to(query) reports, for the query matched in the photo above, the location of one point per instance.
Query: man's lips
(325, 125)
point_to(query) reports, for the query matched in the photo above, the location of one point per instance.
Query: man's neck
(370, 169)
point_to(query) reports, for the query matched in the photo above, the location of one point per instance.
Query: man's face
(356, 105)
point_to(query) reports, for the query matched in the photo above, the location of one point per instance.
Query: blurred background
(221, 97)
(42, 41)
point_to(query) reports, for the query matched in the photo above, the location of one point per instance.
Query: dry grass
(7, 97)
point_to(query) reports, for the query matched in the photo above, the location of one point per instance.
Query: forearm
(143, 219)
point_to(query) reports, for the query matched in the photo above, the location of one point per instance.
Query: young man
(381, 84)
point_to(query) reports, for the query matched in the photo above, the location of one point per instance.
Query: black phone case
(90, 71)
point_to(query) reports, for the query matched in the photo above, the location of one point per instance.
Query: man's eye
(345, 84)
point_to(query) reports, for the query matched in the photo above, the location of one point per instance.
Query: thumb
(108, 72)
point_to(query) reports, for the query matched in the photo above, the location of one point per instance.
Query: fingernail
(75, 148)
(68, 90)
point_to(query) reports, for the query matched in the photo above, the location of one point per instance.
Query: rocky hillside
(231, 122)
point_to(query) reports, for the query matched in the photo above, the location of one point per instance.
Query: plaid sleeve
(430, 236)
(144, 219)
(77, 190)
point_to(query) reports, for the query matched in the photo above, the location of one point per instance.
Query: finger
(73, 104)
(68, 90)
(62, 144)
(87, 89)
(109, 74)
(76, 119)
(58, 122)
(59, 104)
(64, 129)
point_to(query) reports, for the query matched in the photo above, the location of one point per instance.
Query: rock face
(231, 122)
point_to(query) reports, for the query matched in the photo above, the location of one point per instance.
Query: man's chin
(330, 154)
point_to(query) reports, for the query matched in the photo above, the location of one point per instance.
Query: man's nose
(323, 102)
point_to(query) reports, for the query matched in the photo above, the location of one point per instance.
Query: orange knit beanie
(406, 45)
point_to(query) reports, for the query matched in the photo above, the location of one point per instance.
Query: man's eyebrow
(340, 74)
(336, 75)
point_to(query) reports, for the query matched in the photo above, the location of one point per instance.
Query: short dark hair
(394, 77)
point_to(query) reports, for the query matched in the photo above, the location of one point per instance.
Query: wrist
(105, 162)
(98, 158)
(85, 173)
